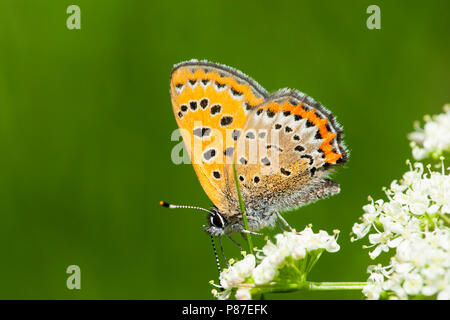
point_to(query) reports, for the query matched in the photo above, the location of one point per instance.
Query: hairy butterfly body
(284, 145)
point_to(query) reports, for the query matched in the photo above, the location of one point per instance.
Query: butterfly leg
(284, 221)
(252, 232)
(235, 242)
(249, 231)
(223, 252)
(244, 232)
(280, 226)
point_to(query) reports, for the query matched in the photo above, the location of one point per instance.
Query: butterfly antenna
(175, 206)
(215, 254)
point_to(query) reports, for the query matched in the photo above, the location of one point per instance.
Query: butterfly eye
(217, 220)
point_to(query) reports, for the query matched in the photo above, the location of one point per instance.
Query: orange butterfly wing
(211, 103)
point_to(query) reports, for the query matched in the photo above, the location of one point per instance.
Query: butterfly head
(217, 223)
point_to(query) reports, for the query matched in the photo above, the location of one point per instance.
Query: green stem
(327, 286)
(312, 264)
(244, 216)
(311, 286)
(445, 218)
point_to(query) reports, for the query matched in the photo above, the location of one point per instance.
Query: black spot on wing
(265, 161)
(236, 93)
(248, 106)
(242, 160)
(220, 85)
(250, 135)
(209, 154)
(270, 146)
(216, 174)
(228, 151)
(318, 135)
(226, 121)
(307, 156)
(285, 172)
(215, 109)
(235, 134)
(202, 132)
(204, 103)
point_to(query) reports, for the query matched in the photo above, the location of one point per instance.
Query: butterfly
(221, 114)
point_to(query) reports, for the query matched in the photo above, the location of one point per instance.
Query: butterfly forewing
(211, 103)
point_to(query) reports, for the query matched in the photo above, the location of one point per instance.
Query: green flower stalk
(244, 215)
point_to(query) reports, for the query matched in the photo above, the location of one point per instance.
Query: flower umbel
(434, 139)
(284, 263)
(414, 222)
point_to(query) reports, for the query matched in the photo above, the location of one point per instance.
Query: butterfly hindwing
(211, 103)
(298, 142)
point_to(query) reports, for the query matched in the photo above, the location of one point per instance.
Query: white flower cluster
(413, 222)
(291, 244)
(434, 138)
(246, 274)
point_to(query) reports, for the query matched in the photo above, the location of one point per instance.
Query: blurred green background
(86, 119)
